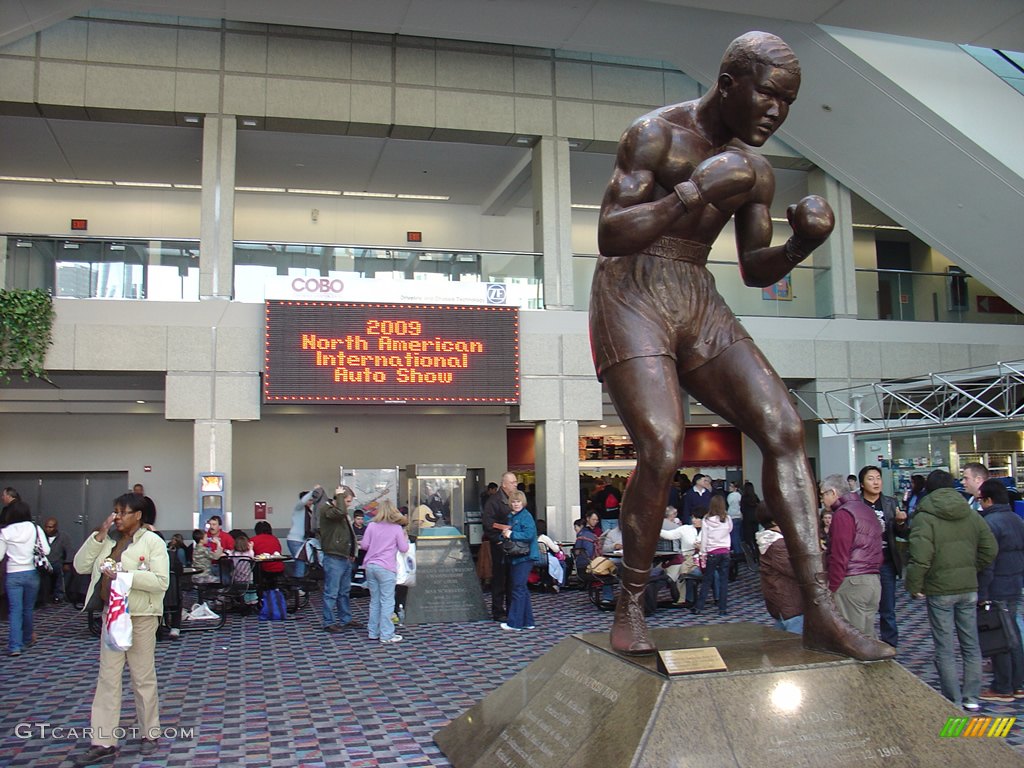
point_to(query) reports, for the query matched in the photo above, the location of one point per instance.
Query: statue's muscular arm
(761, 263)
(637, 209)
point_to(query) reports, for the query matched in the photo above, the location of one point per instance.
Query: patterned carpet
(289, 694)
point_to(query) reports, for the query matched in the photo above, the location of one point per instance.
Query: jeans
(381, 583)
(1008, 668)
(718, 566)
(337, 582)
(736, 536)
(22, 587)
(794, 624)
(520, 612)
(298, 567)
(887, 630)
(947, 613)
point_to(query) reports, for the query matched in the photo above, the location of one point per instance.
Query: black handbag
(515, 547)
(994, 633)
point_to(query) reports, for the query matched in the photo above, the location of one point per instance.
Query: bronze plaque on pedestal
(689, 661)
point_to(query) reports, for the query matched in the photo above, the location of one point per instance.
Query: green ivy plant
(26, 332)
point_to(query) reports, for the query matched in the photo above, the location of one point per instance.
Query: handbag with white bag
(117, 627)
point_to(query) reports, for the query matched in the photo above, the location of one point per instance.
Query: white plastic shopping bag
(117, 629)
(405, 573)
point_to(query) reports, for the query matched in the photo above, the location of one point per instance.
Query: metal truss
(968, 396)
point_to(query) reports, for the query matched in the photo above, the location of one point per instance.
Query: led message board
(350, 352)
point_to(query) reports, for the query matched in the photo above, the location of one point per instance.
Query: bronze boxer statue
(659, 328)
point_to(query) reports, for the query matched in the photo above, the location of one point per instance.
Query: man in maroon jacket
(854, 554)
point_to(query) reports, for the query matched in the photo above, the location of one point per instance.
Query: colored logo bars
(977, 727)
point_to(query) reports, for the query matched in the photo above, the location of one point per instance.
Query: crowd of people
(952, 547)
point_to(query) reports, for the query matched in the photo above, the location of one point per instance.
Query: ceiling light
(25, 178)
(188, 186)
(85, 181)
(424, 197)
(249, 123)
(389, 195)
(314, 191)
(522, 140)
(141, 402)
(158, 184)
(586, 207)
(604, 426)
(191, 119)
(259, 189)
(714, 424)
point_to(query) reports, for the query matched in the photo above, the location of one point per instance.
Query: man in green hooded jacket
(949, 544)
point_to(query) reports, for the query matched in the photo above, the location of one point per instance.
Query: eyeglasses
(126, 512)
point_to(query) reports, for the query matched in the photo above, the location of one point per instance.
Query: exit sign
(79, 225)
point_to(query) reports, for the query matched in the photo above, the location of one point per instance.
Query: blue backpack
(274, 607)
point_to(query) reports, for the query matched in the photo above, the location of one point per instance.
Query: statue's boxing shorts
(660, 301)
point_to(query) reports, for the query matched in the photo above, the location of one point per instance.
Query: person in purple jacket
(382, 540)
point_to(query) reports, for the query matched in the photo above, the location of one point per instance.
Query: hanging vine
(26, 332)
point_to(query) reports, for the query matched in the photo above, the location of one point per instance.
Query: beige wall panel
(533, 76)
(574, 119)
(245, 53)
(371, 104)
(866, 360)
(415, 66)
(237, 396)
(24, 47)
(610, 121)
(415, 106)
(120, 348)
(534, 116)
(953, 357)
(474, 71)
(198, 49)
(189, 348)
(17, 79)
(196, 92)
(62, 83)
(905, 360)
(577, 359)
(189, 396)
(581, 400)
(61, 354)
(309, 58)
(574, 80)
(314, 99)
(138, 44)
(129, 88)
(245, 95)
(538, 354)
(67, 40)
(831, 358)
(788, 359)
(371, 62)
(541, 399)
(475, 111)
(628, 85)
(240, 349)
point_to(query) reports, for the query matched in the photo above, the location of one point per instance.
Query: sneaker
(392, 639)
(148, 746)
(991, 695)
(507, 628)
(94, 755)
(14, 653)
(175, 633)
(1019, 693)
(530, 626)
(972, 706)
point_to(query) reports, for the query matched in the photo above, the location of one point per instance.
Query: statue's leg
(646, 395)
(742, 387)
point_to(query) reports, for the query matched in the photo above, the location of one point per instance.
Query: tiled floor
(289, 694)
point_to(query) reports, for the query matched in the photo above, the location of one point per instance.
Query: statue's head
(758, 80)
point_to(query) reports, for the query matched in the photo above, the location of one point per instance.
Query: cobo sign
(317, 285)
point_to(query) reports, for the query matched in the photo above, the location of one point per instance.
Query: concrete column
(211, 452)
(217, 225)
(835, 290)
(552, 219)
(558, 482)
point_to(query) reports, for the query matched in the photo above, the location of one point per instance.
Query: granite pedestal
(447, 588)
(583, 706)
